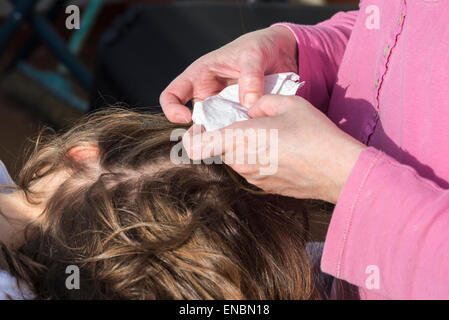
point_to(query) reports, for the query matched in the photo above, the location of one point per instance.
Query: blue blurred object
(5, 179)
(55, 82)
(90, 14)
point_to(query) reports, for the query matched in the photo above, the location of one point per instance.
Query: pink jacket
(382, 75)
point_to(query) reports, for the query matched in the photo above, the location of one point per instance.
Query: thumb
(251, 80)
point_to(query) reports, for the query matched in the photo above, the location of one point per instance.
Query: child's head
(140, 227)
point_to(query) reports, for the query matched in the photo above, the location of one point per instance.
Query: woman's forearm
(390, 223)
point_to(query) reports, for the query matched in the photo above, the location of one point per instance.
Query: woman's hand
(245, 60)
(313, 157)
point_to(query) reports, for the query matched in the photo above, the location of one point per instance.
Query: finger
(270, 105)
(191, 143)
(251, 80)
(173, 100)
(200, 144)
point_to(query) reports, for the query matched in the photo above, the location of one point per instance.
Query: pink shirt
(382, 75)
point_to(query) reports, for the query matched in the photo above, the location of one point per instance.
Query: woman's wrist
(286, 44)
(346, 160)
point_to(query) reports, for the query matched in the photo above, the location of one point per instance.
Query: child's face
(45, 187)
(18, 211)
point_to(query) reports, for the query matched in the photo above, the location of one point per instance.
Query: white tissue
(224, 108)
(10, 290)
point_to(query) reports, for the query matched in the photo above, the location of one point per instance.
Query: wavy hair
(140, 227)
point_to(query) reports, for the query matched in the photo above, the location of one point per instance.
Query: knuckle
(251, 51)
(251, 54)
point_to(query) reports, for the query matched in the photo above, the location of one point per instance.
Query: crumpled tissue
(224, 108)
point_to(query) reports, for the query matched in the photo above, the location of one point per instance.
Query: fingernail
(250, 100)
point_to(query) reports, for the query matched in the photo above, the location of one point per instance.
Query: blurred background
(123, 52)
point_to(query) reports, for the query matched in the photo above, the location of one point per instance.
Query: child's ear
(84, 153)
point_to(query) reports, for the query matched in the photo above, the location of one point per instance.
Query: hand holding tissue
(224, 108)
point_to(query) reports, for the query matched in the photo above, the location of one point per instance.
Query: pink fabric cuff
(391, 223)
(339, 228)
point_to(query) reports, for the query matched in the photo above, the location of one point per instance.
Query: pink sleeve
(321, 48)
(390, 222)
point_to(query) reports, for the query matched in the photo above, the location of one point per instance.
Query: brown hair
(140, 227)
